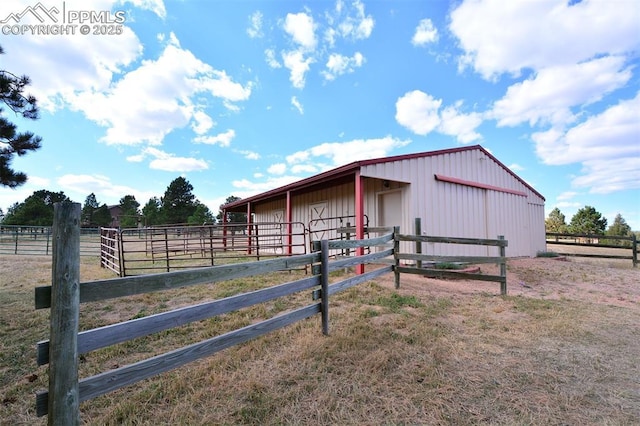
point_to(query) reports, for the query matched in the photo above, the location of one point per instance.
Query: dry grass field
(561, 349)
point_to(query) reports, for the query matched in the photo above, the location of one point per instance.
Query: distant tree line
(589, 221)
(178, 205)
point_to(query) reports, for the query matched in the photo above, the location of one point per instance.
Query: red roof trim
(478, 185)
(351, 168)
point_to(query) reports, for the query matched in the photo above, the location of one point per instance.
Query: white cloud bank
(576, 58)
(420, 113)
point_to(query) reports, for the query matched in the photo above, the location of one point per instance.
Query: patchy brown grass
(560, 349)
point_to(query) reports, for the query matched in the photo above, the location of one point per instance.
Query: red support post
(359, 212)
(288, 218)
(248, 228)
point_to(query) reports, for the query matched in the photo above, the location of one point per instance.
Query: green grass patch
(395, 302)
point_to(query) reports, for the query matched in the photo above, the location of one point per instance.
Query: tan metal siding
(448, 209)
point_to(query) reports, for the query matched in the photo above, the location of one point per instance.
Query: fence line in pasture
(64, 296)
(424, 270)
(38, 241)
(600, 243)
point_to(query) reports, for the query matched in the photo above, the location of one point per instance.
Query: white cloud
(301, 28)
(567, 195)
(162, 90)
(255, 25)
(418, 112)
(516, 167)
(548, 96)
(303, 168)
(249, 155)
(201, 122)
(340, 153)
(223, 139)
(81, 185)
(296, 103)
(297, 157)
(348, 21)
(317, 159)
(298, 65)
(506, 37)
(338, 64)
(156, 6)
(169, 162)
(461, 126)
(270, 56)
(277, 169)
(248, 188)
(178, 164)
(9, 196)
(425, 33)
(72, 64)
(345, 21)
(606, 144)
(138, 158)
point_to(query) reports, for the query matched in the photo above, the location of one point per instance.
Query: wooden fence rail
(596, 242)
(501, 259)
(64, 296)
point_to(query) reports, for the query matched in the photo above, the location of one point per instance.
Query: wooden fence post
(166, 247)
(418, 232)
(324, 285)
(63, 404)
(634, 248)
(396, 252)
(503, 268)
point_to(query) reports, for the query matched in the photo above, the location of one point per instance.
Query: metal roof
(348, 170)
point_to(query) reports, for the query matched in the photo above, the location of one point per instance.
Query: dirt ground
(543, 278)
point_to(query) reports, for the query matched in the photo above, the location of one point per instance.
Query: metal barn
(460, 192)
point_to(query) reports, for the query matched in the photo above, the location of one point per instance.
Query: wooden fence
(603, 245)
(64, 296)
(420, 259)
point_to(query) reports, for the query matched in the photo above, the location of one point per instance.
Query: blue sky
(244, 96)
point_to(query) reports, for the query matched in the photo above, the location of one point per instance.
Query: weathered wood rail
(67, 293)
(587, 240)
(419, 258)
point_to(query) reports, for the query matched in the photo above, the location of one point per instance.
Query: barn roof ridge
(349, 168)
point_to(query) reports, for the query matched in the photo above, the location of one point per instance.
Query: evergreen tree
(232, 217)
(201, 216)
(130, 212)
(101, 217)
(555, 222)
(88, 209)
(151, 212)
(588, 220)
(11, 142)
(619, 228)
(36, 210)
(178, 202)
